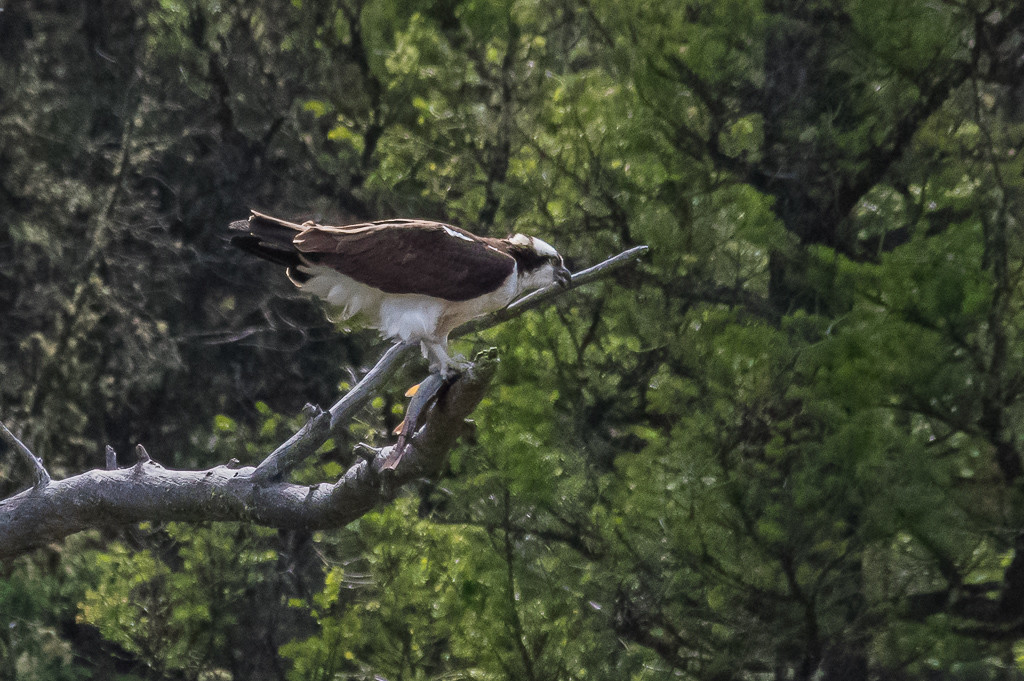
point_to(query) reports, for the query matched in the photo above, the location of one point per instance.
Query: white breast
(405, 316)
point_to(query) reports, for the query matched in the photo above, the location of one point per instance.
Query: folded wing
(409, 256)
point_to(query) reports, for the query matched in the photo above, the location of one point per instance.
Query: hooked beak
(563, 277)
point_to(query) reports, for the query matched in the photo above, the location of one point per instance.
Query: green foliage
(787, 444)
(433, 598)
(30, 646)
(181, 618)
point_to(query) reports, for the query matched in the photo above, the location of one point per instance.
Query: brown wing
(410, 256)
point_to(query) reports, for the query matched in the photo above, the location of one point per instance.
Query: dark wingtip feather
(256, 246)
(272, 230)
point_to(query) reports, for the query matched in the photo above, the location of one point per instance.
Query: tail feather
(269, 238)
(269, 229)
(256, 246)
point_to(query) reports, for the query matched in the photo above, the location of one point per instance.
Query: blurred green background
(785, 446)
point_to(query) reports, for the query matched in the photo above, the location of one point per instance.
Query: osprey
(414, 280)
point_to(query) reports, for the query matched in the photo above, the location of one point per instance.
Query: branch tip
(40, 476)
(309, 438)
(366, 452)
(142, 457)
(537, 298)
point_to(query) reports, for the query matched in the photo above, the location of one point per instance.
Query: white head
(539, 264)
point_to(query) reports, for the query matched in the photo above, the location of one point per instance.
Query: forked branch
(53, 509)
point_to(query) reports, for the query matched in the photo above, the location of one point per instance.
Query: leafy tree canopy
(786, 446)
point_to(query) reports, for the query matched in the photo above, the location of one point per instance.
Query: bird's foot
(452, 368)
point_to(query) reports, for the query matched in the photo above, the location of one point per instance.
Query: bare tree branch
(396, 355)
(308, 440)
(538, 298)
(40, 476)
(148, 491)
(53, 509)
(298, 447)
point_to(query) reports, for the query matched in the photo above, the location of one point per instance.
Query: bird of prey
(413, 280)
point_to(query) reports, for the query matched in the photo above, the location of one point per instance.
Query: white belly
(405, 316)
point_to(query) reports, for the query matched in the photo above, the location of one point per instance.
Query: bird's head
(539, 264)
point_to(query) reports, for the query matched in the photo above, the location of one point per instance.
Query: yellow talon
(413, 390)
(398, 428)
